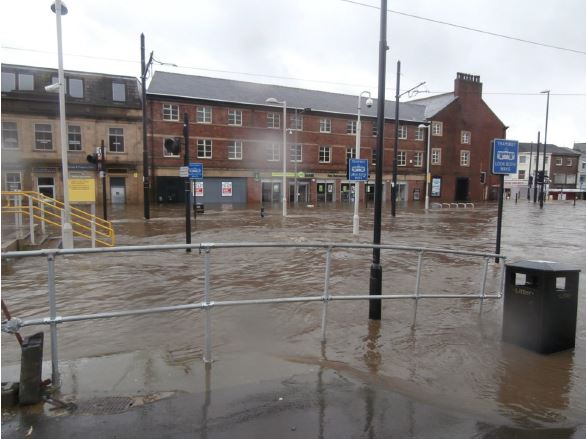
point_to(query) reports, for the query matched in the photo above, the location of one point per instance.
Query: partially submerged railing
(208, 304)
(49, 213)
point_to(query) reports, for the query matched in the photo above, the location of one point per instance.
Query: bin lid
(543, 265)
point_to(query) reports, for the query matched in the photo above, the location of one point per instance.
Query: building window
(465, 158)
(374, 129)
(9, 135)
(167, 153)
(402, 132)
(43, 137)
(295, 152)
(119, 92)
(420, 134)
(116, 140)
(296, 122)
(204, 148)
(75, 88)
(437, 128)
(436, 156)
(170, 112)
(8, 81)
(274, 152)
(374, 156)
(325, 125)
(325, 154)
(12, 181)
(204, 114)
(559, 161)
(569, 162)
(418, 161)
(74, 138)
(350, 153)
(235, 117)
(465, 137)
(521, 174)
(351, 127)
(273, 120)
(522, 159)
(401, 159)
(26, 82)
(559, 178)
(235, 150)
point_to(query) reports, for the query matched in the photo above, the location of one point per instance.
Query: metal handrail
(206, 247)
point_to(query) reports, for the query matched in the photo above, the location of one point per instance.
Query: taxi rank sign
(504, 156)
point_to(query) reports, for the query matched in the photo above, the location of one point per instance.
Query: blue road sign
(196, 170)
(358, 170)
(504, 156)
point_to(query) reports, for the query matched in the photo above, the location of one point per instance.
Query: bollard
(262, 211)
(31, 369)
(541, 305)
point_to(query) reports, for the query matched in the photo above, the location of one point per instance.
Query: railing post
(19, 217)
(483, 282)
(53, 315)
(207, 355)
(326, 297)
(502, 287)
(417, 283)
(93, 225)
(31, 220)
(43, 226)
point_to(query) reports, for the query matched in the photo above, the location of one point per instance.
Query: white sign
(183, 172)
(226, 188)
(199, 189)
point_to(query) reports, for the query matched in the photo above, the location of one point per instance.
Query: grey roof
(525, 147)
(580, 146)
(242, 92)
(436, 103)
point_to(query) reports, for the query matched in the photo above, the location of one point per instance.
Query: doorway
(271, 192)
(118, 190)
(302, 192)
(46, 186)
(325, 191)
(462, 187)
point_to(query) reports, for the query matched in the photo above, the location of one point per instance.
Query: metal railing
(208, 304)
(49, 212)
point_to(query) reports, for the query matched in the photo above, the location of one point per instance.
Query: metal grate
(104, 406)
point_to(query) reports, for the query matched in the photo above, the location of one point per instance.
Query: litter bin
(541, 305)
(31, 369)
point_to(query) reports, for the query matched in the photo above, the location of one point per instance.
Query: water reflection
(372, 360)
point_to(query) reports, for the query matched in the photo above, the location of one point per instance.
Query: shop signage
(226, 188)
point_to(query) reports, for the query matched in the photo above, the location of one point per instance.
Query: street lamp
(145, 169)
(427, 160)
(60, 9)
(283, 190)
(302, 111)
(356, 219)
(541, 195)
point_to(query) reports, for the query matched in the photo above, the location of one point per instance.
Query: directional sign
(358, 170)
(196, 170)
(504, 156)
(183, 172)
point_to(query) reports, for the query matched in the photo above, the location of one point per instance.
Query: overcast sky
(332, 45)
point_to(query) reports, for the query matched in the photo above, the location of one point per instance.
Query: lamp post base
(355, 225)
(67, 236)
(376, 284)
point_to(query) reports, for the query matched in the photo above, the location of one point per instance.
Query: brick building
(238, 138)
(98, 107)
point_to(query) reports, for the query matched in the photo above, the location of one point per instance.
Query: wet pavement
(449, 375)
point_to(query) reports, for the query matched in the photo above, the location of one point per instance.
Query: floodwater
(449, 355)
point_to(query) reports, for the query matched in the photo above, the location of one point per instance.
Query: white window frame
(402, 131)
(6, 180)
(298, 120)
(235, 150)
(569, 162)
(418, 159)
(170, 112)
(76, 142)
(351, 127)
(325, 125)
(464, 158)
(273, 120)
(350, 153)
(436, 156)
(204, 115)
(559, 161)
(296, 152)
(437, 128)
(50, 141)
(116, 136)
(420, 134)
(167, 153)
(204, 148)
(372, 156)
(9, 143)
(325, 154)
(273, 152)
(401, 158)
(465, 137)
(117, 88)
(522, 159)
(234, 117)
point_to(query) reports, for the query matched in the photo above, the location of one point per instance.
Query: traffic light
(173, 145)
(540, 177)
(483, 177)
(93, 158)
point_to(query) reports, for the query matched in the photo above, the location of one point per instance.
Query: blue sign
(504, 156)
(196, 170)
(358, 170)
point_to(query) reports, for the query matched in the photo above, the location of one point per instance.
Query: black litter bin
(541, 305)
(31, 369)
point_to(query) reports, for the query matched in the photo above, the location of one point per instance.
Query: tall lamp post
(296, 197)
(356, 218)
(427, 160)
(144, 67)
(60, 9)
(284, 185)
(541, 195)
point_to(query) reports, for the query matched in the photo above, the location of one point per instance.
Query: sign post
(504, 159)
(357, 171)
(196, 172)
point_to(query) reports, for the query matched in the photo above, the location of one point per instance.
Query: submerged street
(446, 373)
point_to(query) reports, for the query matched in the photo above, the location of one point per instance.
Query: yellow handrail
(45, 205)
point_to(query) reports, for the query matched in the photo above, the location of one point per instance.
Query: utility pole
(529, 179)
(395, 150)
(187, 182)
(145, 167)
(536, 167)
(541, 195)
(376, 272)
(102, 168)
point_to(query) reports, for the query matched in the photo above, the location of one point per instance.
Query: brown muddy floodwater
(452, 357)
